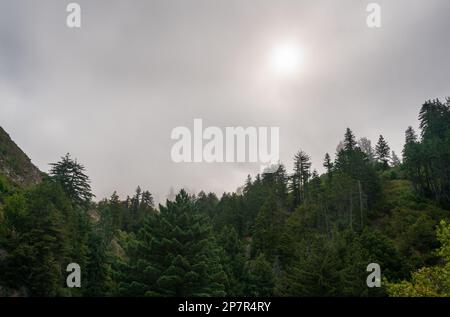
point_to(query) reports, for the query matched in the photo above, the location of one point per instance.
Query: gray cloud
(111, 92)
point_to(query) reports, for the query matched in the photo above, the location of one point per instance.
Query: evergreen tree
(70, 175)
(428, 162)
(116, 211)
(281, 186)
(349, 140)
(353, 169)
(233, 261)
(147, 200)
(268, 229)
(40, 241)
(328, 165)
(315, 189)
(261, 279)
(175, 254)
(98, 273)
(300, 177)
(382, 151)
(410, 135)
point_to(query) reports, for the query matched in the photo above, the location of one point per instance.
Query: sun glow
(286, 59)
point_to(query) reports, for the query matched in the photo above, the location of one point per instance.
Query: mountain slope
(15, 164)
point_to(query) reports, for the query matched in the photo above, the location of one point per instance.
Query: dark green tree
(175, 254)
(261, 278)
(41, 240)
(300, 177)
(410, 135)
(382, 152)
(328, 165)
(71, 176)
(349, 140)
(268, 228)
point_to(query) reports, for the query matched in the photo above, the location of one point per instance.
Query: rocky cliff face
(15, 164)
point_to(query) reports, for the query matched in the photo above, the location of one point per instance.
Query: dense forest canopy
(283, 234)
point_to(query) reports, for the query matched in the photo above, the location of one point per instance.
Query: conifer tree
(116, 210)
(382, 151)
(268, 229)
(71, 176)
(261, 278)
(175, 254)
(300, 177)
(410, 135)
(39, 242)
(328, 165)
(349, 140)
(233, 260)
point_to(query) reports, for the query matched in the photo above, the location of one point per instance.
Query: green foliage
(175, 254)
(431, 281)
(382, 152)
(70, 175)
(326, 267)
(233, 261)
(409, 221)
(427, 161)
(5, 187)
(261, 279)
(136, 208)
(300, 177)
(268, 228)
(283, 234)
(40, 240)
(97, 280)
(349, 140)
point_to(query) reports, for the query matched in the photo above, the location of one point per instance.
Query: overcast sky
(111, 92)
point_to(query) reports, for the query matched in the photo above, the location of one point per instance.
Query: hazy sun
(286, 58)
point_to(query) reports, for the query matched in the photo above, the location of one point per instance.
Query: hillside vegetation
(15, 164)
(282, 234)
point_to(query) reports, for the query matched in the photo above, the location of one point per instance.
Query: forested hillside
(285, 233)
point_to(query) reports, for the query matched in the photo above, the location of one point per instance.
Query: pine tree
(382, 151)
(39, 243)
(97, 275)
(175, 254)
(233, 261)
(434, 119)
(349, 140)
(410, 135)
(315, 187)
(328, 165)
(70, 175)
(315, 271)
(352, 167)
(281, 186)
(147, 200)
(268, 229)
(116, 210)
(261, 278)
(300, 177)
(427, 162)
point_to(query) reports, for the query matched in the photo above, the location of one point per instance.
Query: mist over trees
(285, 233)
